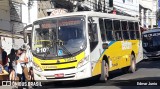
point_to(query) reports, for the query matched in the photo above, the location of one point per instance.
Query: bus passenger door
(95, 45)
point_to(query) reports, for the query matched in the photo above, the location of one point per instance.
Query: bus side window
(125, 30)
(137, 30)
(117, 29)
(109, 29)
(102, 29)
(131, 30)
(93, 35)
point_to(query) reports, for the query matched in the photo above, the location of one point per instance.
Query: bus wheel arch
(104, 69)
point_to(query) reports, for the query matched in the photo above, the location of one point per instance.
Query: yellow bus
(81, 45)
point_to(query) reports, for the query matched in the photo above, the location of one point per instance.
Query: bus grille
(62, 77)
(71, 75)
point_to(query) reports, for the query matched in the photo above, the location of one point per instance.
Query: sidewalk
(6, 87)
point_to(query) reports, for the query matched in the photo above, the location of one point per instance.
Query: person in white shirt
(24, 60)
(16, 71)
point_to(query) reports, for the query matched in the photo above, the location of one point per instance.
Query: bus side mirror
(25, 37)
(105, 45)
(26, 31)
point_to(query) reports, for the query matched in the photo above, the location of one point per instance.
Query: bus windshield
(58, 37)
(151, 41)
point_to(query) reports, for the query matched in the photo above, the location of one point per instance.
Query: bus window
(109, 29)
(117, 29)
(137, 30)
(93, 35)
(102, 29)
(131, 30)
(124, 26)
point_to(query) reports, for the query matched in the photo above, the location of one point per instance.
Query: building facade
(15, 15)
(127, 7)
(38, 9)
(4, 16)
(148, 9)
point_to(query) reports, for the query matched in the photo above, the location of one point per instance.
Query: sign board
(58, 12)
(6, 43)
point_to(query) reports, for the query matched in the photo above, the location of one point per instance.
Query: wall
(25, 12)
(33, 12)
(42, 8)
(4, 15)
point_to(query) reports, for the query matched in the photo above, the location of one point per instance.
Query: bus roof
(94, 14)
(151, 30)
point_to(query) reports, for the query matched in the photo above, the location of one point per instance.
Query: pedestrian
(18, 66)
(1, 69)
(29, 64)
(4, 59)
(1, 56)
(23, 60)
(15, 73)
(11, 57)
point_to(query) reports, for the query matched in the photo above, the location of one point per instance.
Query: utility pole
(30, 3)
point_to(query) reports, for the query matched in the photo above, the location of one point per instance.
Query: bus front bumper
(67, 74)
(151, 55)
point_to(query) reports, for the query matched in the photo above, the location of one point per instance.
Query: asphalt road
(146, 70)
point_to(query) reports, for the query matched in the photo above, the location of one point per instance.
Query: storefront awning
(18, 1)
(145, 4)
(126, 12)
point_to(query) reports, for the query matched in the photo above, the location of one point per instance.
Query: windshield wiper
(60, 43)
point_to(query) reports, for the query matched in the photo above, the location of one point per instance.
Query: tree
(63, 4)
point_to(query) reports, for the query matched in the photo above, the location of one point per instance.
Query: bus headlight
(83, 62)
(36, 67)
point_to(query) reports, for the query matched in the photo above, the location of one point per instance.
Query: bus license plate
(59, 75)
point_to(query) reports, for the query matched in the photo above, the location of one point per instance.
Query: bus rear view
(151, 43)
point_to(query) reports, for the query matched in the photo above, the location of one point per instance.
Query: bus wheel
(132, 67)
(104, 71)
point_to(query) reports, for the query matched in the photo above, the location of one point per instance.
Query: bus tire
(104, 71)
(132, 67)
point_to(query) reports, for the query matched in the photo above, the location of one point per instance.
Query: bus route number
(41, 50)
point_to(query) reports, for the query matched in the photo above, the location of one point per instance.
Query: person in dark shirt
(4, 59)
(11, 57)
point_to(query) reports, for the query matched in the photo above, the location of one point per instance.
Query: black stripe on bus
(59, 69)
